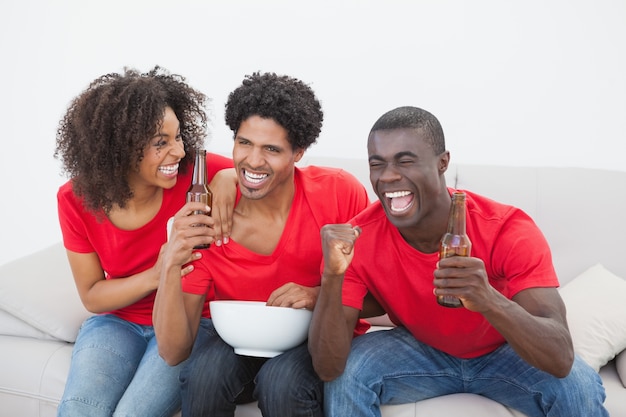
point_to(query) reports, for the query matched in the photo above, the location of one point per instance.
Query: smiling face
(264, 158)
(407, 176)
(163, 153)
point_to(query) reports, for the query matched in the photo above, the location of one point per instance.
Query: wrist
(168, 269)
(330, 276)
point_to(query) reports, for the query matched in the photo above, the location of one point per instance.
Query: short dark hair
(287, 100)
(106, 128)
(408, 117)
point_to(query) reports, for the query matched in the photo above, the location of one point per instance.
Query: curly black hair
(408, 117)
(102, 136)
(288, 101)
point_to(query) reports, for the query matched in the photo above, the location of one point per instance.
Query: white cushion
(12, 326)
(39, 290)
(596, 315)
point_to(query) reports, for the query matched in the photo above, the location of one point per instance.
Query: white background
(538, 82)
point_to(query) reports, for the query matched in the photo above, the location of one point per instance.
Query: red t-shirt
(232, 272)
(123, 253)
(516, 257)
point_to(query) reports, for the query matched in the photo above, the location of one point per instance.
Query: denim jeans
(391, 367)
(215, 379)
(116, 370)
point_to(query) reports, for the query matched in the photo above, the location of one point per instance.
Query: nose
(254, 158)
(178, 150)
(389, 173)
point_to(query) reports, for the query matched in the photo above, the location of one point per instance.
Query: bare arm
(176, 315)
(533, 322)
(332, 326)
(98, 294)
(224, 189)
(535, 326)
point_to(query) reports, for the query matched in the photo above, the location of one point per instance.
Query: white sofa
(581, 212)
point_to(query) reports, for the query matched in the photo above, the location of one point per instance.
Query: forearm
(224, 187)
(331, 330)
(112, 294)
(543, 342)
(173, 328)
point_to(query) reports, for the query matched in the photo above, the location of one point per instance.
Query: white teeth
(254, 178)
(401, 209)
(397, 194)
(169, 169)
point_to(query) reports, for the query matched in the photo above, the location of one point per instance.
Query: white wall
(538, 82)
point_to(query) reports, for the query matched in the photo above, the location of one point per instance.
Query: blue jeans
(116, 370)
(391, 367)
(215, 379)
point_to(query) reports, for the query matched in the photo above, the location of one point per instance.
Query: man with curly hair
(127, 143)
(274, 255)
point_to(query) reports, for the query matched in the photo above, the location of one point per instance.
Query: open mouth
(169, 169)
(400, 201)
(254, 178)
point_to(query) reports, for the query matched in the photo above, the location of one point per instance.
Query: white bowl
(255, 329)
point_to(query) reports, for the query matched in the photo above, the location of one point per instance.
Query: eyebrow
(160, 134)
(279, 147)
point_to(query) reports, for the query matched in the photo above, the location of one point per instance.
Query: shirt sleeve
(70, 212)
(199, 280)
(215, 163)
(522, 256)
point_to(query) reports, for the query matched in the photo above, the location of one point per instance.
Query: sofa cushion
(12, 326)
(39, 290)
(596, 314)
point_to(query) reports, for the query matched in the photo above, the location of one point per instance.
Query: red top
(232, 272)
(516, 257)
(123, 253)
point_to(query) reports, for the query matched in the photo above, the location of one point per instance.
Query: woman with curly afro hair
(127, 143)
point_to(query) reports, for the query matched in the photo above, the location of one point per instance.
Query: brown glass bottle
(199, 189)
(455, 242)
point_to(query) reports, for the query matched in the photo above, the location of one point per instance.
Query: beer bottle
(455, 242)
(199, 189)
